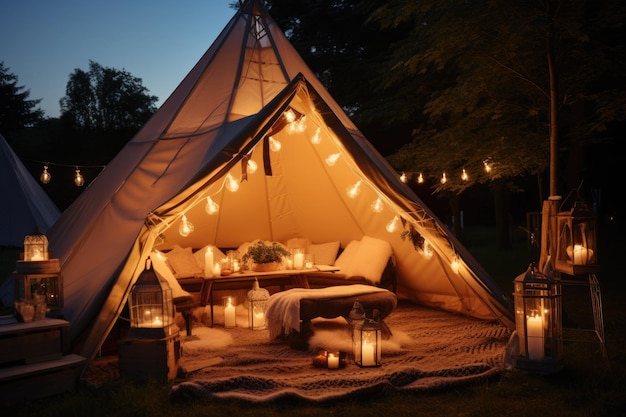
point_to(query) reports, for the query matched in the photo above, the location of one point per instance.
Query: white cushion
(199, 255)
(347, 259)
(163, 271)
(372, 258)
(324, 253)
(183, 262)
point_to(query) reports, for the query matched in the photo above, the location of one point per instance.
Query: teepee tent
(233, 107)
(26, 206)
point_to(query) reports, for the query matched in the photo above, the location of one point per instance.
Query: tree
(16, 110)
(105, 100)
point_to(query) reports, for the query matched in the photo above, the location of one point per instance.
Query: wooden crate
(144, 359)
(34, 342)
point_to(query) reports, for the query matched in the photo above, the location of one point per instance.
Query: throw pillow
(163, 271)
(199, 255)
(347, 259)
(324, 253)
(372, 258)
(183, 262)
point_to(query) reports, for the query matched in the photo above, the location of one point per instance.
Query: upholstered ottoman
(290, 312)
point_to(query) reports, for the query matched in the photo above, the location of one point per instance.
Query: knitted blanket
(429, 349)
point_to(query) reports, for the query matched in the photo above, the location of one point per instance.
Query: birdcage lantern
(151, 307)
(538, 321)
(35, 247)
(257, 306)
(577, 251)
(368, 344)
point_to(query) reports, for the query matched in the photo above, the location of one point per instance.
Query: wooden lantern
(577, 250)
(538, 321)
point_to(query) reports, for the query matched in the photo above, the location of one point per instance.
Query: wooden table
(244, 280)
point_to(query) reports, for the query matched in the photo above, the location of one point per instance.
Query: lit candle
(534, 330)
(579, 254)
(333, 361)
(229, 314)
(289, 263)
(258, 320)
(208, 262)
(236, 266)
(37, 256)
(298, 260)
(367, 354)
(217, 269)
(157, 322)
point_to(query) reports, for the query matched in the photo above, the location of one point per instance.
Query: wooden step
(22, 383)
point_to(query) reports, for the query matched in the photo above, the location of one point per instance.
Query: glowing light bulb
(211, 206)
(332, 159)
(45, 175)
(403, 177)
(377, 205)
(316, 138)
(420, 178)
(275, 145)
(427, 250)
(290, 116)
(392, 226)
(186, 227)
(464, 175)
(252, 166)
(443, 178)
(79, 180)
(354, 190)
(455, 264)
(231, 183)
(487, 166)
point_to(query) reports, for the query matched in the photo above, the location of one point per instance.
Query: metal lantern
(151, 307)
(35, 247)
(368, 344)
(257, 306)
(538, 321)
(577, 252)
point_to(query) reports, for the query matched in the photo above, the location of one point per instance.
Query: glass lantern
(368, 344)
(577, 251)
(538, 321)
(151, 307)
(257, 306)
(35, 247)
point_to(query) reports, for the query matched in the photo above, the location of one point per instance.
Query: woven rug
(428, 350)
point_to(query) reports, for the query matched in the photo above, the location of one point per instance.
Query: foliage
(106, 99)
(16, 110)
(262, 253)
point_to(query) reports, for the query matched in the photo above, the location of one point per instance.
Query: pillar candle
(333, 361)
(367, 354)
(229, 315)
(298, 260)
(534, 334)
(208, 263)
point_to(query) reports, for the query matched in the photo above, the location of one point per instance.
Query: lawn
(588, 385)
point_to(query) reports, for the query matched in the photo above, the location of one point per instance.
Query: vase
(266, 267)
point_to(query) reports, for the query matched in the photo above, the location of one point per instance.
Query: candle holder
(257, 306)
(577, 252)
(330, 359)
(368, 344)
(151, 307)
(230, 311)
(298, 259)
(35, 247)
(538, 321)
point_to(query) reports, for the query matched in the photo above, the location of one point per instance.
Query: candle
(229, 314)
(298, 260)
(37, 256)
(289, 263)
(333, 361)
(236, 266)
(367, 354)
(157, 322)
(534, 333)
(579, 254)
(258, 320)
(217, 269)
(208, 262)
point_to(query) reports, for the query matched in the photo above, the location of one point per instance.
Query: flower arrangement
(262, 253)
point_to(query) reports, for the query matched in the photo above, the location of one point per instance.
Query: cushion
(163, 271)
(183, 262)
(199, 255)
(347, 259)
(371, 259)
(297, 243)
(324, 253)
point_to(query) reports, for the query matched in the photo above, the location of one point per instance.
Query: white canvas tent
(223, 112)
(26, 206)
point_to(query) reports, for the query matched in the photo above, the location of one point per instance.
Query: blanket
(283, 308)
(429, 350)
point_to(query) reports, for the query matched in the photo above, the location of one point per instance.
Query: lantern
(151, 307)
(368, 344)
(257, 305)
(35, 247)
(538, 321)
(230, 312)
(576, 252)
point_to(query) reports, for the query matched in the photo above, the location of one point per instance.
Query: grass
(589, 384)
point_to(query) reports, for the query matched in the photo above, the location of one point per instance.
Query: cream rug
(429, 350)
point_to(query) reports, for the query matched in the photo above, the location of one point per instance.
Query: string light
(186, 227)
(427, 250)
(443, 179)
(464, 175)
(211, 206)
(275, 145)
(45, 175)
(403, 178)
(420, 178)
(354, 190)
(79, 180)
(455, 264)
(392, 226)
(487, 166)
(377, 205)
(231, 183)
(290, 116)
(316, 138)
(332, 159)
(252, 166)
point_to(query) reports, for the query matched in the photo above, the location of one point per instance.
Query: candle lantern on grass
(35, 247)
(368, 344)
(577, 250)
(151, 307)
(257, 305)
(538, 321)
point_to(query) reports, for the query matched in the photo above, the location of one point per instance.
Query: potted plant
(265, 257)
